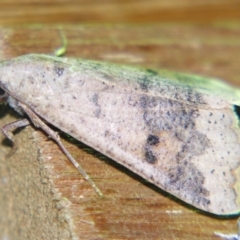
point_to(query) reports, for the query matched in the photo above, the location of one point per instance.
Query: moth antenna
(62, 49)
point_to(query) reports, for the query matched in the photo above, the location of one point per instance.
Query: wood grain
(14, 12)
(42, 196)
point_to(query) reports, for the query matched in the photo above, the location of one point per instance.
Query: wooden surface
(42, 196)
(115, 11)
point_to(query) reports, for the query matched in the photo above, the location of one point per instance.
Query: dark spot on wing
(176, 122)
(144, 87)
(144, 82)
(147, 102)
(149, 156)
(153, 81)
(152, 139)
(58, 70)
(166, 114)
(95, 100)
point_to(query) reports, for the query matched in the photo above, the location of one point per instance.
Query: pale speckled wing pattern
(179, 135)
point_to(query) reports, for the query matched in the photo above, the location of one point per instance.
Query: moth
(178, 131)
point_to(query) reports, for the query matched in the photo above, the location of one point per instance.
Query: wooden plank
(125, 11)
(42, 196)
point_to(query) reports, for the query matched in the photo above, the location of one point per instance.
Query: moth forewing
(180, 135)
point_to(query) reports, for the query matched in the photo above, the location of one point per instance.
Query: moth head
(6, 98)
(3, 96)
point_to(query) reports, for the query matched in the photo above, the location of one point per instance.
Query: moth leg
(9, 128)
(39, 123)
